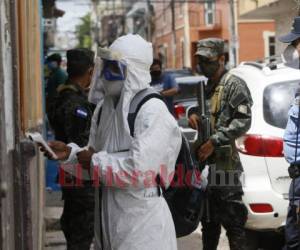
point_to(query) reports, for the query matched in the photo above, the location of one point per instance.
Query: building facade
(108, 20)
(178, 27)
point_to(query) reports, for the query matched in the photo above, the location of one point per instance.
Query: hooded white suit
(133, 215)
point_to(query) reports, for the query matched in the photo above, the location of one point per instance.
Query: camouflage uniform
(70, 117)
(231, 118)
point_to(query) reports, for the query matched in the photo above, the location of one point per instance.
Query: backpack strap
(99, 116)
(215, 100)
(137, 102)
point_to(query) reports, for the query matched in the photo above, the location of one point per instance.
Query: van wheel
(252, 239)
(269, 240)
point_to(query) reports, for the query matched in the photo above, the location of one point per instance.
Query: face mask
(155, 75)
(112, 88)
(209, 69)
(290, 57)
(52, 65)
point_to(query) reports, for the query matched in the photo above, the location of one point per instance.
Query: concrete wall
(21, 110)
(250, 5)
(6, 130)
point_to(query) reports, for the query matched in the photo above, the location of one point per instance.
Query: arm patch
(81, 112)
(238, 99)
(243, 109)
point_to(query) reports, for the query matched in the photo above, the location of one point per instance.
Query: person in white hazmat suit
(133, 215)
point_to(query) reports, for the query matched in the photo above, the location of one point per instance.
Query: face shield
(96, 93)
(113, 76)
(108, 77)
(113, 70)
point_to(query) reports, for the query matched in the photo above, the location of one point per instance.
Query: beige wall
(249, 5)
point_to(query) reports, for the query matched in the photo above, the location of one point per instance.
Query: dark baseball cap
(294, 34)
(210, 47)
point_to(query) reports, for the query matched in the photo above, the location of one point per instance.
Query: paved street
(55, 241)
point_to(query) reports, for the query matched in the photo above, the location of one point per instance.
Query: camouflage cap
(210, 47)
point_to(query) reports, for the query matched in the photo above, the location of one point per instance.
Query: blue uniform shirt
(290, 134)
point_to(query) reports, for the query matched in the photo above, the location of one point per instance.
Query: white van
(266, 180)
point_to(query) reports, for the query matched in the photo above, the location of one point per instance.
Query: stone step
(52, 218)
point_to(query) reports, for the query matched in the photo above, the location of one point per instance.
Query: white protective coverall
(133, 215)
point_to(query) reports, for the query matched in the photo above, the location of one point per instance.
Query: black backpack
(185, 200)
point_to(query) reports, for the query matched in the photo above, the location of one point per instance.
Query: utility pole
(149, 20)
(173, 32)
(233, 44)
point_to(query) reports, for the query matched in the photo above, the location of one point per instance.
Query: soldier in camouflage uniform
(70, 116)
(230, 104)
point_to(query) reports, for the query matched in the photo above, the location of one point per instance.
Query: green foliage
(83, 32)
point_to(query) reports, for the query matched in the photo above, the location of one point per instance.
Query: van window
(277, 100)
(186, 91)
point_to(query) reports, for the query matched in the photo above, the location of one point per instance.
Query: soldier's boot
(210, 235)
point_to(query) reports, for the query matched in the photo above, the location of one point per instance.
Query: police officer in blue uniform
(291, 143)
(70, 117)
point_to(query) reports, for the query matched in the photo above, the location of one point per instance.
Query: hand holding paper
(54, 150)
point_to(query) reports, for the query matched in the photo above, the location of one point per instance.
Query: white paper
(38, 138)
